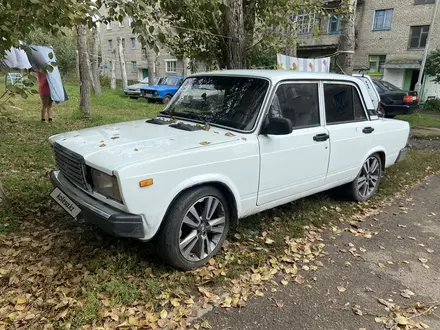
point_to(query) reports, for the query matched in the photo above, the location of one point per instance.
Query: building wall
(395, 76)
(393, 43)
(135, 54)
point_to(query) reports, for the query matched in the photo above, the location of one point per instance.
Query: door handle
(321, 137)
(368, 130)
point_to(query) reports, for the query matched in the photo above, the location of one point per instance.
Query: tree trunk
(151, 58)
(77, 67)
(122, 63)
(3, 196)
(249, 12)
(186, 67)
(234, 30)
(347, 41)
(113, 79)
(84, 71)
(95, 61)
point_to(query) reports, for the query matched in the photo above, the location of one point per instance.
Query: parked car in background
(163, 92)
(395, 101)
(253, 140)
(134, 91)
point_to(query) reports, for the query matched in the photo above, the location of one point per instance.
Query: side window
(342, 104)
(297, 102)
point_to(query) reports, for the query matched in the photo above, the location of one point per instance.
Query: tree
(216, 31)
(94, 60)
(84, 71)
(120, 49)
(432, 67)
(347, 40)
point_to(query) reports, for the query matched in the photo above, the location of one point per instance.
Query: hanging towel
(9, 59)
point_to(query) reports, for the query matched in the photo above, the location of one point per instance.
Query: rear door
(351, 132)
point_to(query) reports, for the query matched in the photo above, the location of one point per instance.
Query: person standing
(44, 92)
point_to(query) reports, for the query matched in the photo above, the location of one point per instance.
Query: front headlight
(106, 185)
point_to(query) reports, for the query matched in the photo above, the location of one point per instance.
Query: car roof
(278, 75)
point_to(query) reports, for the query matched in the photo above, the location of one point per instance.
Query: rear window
(388, 86)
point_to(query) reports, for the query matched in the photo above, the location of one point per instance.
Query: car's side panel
(235, 165)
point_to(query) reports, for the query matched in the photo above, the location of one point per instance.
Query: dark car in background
(395, 101)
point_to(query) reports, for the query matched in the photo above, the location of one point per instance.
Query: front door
(351, 133)
(145, 73)
(293, 164)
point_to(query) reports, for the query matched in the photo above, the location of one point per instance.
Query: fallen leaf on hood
(229, 134)
(115, 137)
(204, 143)
(136, 149)
(102, 145)
(244, 139)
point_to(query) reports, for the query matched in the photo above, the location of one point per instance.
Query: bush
(432, 105)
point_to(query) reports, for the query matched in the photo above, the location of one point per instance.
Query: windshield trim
(260, 112)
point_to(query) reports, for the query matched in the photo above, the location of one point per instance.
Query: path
(404, 255)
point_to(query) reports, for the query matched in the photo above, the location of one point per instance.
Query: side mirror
(278, 126)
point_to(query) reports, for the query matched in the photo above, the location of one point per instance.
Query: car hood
(137, 86)
(160, 87)
(112, 147)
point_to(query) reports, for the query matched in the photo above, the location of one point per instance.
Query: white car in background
(183, 178)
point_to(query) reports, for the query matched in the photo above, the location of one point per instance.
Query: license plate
(149, 95)
(65, 202)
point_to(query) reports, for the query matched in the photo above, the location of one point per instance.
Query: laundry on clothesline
(285, 62)
(37, 58)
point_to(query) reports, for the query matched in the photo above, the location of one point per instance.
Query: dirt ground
(366, 282)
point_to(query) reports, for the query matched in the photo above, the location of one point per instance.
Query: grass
(100, 270)
(420, 120)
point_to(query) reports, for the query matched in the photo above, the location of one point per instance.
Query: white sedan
(261, 139)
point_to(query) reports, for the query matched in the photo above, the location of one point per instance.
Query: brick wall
(393, 43)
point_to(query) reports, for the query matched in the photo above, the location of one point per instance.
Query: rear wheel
(195, 228)
(367, 181)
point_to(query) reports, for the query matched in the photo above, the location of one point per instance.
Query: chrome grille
(71, 165)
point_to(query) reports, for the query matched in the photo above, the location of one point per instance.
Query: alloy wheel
(369, 177)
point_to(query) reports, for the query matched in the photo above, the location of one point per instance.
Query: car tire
(166, 99)
(194, 228)
(366, 183)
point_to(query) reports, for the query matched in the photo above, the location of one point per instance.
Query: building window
(121, 24)
(333, 25)
(110, 45)
(419, 34)
(376, 63)
(123, 43)
(305, 23)
(130, 20)
(109, 25)
(133, 43)
(424, 2)
(383, 19)
(133, 66)
(170, 66)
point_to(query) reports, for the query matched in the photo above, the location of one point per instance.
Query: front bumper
(129, 92)
(111, 220)
(402, 154)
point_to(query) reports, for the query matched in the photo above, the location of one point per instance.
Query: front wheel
(166, 99)
(367, 181)
(195, 228)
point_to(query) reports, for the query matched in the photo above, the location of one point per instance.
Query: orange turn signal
(146, 183)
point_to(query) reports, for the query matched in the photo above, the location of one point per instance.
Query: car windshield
(220, 100)
(388, 86)
(170, 81)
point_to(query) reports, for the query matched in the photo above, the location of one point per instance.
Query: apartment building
(391, 38)
(165, 64)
